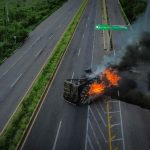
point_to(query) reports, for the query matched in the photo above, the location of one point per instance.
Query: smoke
(132, 50)
(128, 40)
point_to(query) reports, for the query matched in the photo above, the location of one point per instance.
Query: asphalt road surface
(59, 125)
(18, 71)
(135, 120)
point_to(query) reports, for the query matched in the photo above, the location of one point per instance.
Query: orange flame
(111, 76)
(97, 88)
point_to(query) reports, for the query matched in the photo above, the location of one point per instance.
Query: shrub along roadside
(16, 128)
(18, 18)
(133, 9)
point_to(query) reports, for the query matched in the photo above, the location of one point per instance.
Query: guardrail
(18, 126)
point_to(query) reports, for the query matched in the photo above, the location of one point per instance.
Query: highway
(136, 121)
(20, 70)
(60, 125)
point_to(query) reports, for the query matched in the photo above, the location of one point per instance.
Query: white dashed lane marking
(15, 82)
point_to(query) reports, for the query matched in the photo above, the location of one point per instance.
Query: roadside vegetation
(133, 8)
(16, 128)
(18, 18)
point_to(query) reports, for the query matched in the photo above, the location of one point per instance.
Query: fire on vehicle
(87, 89)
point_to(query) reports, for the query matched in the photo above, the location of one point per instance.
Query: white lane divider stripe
(56, 138)
(83, 36)
(35, 41)
(15, 64)
(79, 51)
(117, 124)
(51, 36)
(72, 75)
(122, 127)
(14, 83)
(39, 52)
(3, 74)
(117, 140)
(87, 128)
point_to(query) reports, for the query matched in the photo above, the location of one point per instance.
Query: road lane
(73, 127)
(24, 60)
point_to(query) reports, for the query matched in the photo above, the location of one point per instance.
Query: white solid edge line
(87, 128)
(122, 127)
(56, 138)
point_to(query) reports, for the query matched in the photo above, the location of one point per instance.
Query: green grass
(16, 128)
(23, 17)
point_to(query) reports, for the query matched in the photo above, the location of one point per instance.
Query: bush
(24, 16)
(21, 35)
(2, 32)
(32, 20)
(133, 9)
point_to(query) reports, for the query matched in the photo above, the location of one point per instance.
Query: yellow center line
(109, 127)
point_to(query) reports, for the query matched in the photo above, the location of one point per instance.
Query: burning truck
(87, 89)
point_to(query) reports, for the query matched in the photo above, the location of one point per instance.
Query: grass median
(13, 133)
